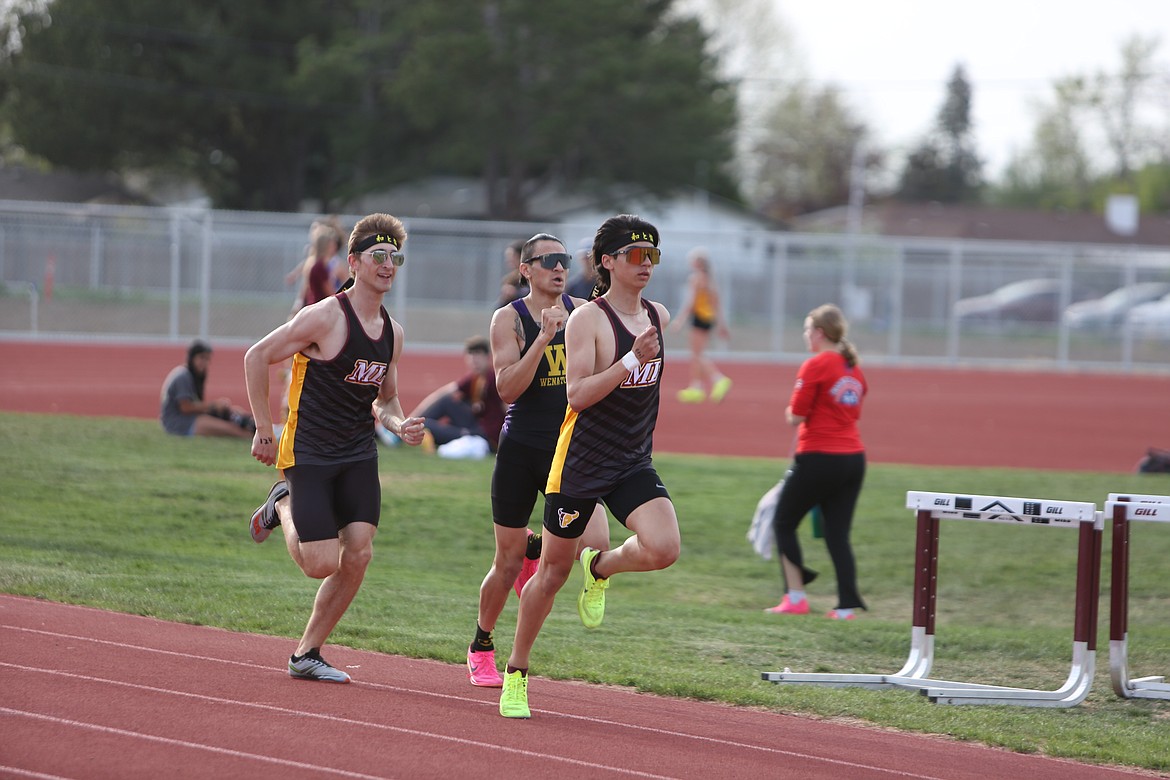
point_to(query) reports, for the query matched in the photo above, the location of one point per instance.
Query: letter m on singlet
(367, 373)
(644, 376)
(554, 355)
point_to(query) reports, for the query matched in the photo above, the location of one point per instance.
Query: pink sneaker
(526, 571)
(832, 614)
(786, 607)
(481, 669)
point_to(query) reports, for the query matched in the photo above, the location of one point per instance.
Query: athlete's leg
(316, 559)
(597, 532)
(655, 544)
(557, 557)
(206, 425)
(338, 589)
(701, 367)
(511, 544)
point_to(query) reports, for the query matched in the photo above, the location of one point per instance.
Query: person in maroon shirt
(469, 406)
(828, 467)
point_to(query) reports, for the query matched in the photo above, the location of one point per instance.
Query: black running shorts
(566, 517)
(519, 476)
(325, 499)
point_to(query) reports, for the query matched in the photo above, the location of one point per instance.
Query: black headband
(624, 239)
(377, 238)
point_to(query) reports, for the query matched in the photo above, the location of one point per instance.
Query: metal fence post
(205, 277)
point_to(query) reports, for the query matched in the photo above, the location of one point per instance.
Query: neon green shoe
(720, 388)
(514, 697)
(591, 601)
(692, 395)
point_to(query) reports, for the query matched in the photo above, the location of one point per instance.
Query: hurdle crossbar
(930, 508)
(1124, 508)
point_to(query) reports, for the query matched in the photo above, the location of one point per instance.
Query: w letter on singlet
(554, 355)
(367, 373)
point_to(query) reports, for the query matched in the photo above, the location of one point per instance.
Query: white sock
(844, 613)
(796, 596)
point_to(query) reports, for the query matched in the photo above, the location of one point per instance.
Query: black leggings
(448, 419)
(832, 482)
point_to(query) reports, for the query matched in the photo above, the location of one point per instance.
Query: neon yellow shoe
(692, 395)
(591, 601)
(514, 698)
(720, 388)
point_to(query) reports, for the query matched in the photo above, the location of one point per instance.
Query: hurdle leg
(1119, 605)
(1080, 678)
(921, 655)
(1152, 687)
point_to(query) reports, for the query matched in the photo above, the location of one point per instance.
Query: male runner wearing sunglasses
(345, 352)
(613, 376)
(528, 353)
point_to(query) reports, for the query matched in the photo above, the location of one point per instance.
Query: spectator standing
(512, 283)
(828, 467)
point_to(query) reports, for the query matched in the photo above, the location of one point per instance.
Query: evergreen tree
(945, 166)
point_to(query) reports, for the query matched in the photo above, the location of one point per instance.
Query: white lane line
(479, 702)
(183, 743)
(331, 719)
(34, 775)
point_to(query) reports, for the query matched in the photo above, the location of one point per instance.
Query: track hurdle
(1123, 508)
(930, 509)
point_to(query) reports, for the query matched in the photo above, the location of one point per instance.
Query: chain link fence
(170, 274)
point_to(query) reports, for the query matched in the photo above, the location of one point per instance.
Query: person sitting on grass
(468, 406)
(182, 410)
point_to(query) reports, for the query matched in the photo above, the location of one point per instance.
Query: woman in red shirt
(828, 467)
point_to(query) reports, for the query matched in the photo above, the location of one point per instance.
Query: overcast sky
(893, 58)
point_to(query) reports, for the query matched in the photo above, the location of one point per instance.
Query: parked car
(1150, 319)
(1112, 309)
(1032, 300)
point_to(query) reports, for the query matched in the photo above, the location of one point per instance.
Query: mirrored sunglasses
(380, 256)
(550, 260)
(636, 255)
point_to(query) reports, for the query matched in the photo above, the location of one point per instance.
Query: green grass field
(114, 514)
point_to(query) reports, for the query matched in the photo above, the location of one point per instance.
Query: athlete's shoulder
(663, 312)
(319, 317)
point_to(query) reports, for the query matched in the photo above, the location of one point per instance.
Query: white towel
(761, 535)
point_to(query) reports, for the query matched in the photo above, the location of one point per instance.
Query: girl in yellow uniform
(702, 312)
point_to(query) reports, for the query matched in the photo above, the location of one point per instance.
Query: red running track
(88, 694)
(1011, 419)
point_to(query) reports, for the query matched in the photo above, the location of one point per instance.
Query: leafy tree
(1093, 138)
(265, 104)
(1054, 172)
(805, 153)
(795, 141)
(945, 166)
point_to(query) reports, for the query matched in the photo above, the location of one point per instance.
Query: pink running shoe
(481, 669)
(786, 607)
(832, 614)
(527, 570)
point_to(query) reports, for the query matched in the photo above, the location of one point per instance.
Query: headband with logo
(624, 239)
(377, 238)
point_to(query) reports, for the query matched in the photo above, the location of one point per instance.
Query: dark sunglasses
(636, 255)
(380, 256)
(551, 260)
